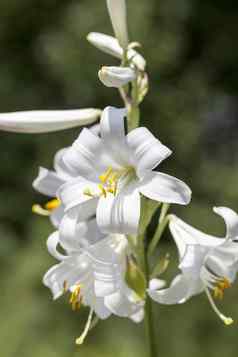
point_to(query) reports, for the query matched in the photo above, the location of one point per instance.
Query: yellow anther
(53, 204)
(105, 176)
(48, 207)
(88, 192)
(75, 298)
(65, 286)
(220, 287)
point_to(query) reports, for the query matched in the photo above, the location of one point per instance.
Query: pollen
(53, 204)
(220, 288)
(75, 298)
(47, 209)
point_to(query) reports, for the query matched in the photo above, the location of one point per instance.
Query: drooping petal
(45, 121)
(231, 219)
(110, 45)
(185, 235)
(48, 182)
(119, 304)
(164, 188)
(120, 213)
(147, 151)
(117, 12)
(65, 275)
(52, 244)
(116, 77)
(177, 293)
(82, 157)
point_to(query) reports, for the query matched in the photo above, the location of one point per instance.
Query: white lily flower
(48, 183)
(113, 170)
(92, 270)
(207, 263)
(116, 76)
(110, 45)
(118, 15)
(45, 121)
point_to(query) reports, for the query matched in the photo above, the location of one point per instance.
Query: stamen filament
(227, 320)
(81, 338)
(40, 210)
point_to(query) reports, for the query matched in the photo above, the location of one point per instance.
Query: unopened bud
(116, 76)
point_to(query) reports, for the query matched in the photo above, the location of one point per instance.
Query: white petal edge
(148, 152)
(48, 182)
(177, 293)
(231, 219)
(164, 188)
(184, 235)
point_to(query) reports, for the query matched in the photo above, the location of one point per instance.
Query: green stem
(148, 320)
(163, 221)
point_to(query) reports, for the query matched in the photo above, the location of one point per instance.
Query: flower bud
(110, 45)
(117, 12)
(116, 76)
(46, 121)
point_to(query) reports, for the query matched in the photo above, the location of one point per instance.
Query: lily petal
(117, 12)
(231, 219)
(48, 182)
(185, 235)
(119, 304)
(52, 243)
(61, 169)
(120, 213)
(69, 272)
(57, 215)
(45, 121)
(113, 132)
(148, 151)
(72, 194)
(164, 188)
(82, 157)
(175, 294)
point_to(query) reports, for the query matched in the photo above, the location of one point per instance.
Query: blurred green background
(46, 63)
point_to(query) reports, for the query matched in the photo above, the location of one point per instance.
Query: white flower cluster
(96, 205)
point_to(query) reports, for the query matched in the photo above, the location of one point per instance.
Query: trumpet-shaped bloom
(110, 45)
(117, 12)
(113, 170)
(116, 76)
(207, 263)
(92, 270)
(45, 121)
